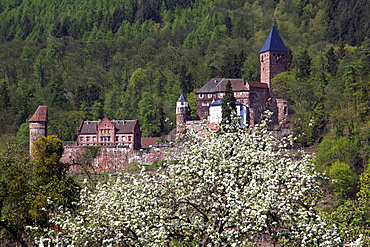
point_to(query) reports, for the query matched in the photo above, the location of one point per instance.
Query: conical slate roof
(274, 42)
(182, 98)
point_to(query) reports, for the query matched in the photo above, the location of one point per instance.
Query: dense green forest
(129, 59)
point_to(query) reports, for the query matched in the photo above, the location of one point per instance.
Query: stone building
(38, 125)
(105, 132)
(256, 97)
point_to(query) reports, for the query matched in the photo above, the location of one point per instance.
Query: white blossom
(229, 189)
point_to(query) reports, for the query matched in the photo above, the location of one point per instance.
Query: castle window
(209, 95)
(123, 138)
(94, 138)
(81, 139)
(205, 104)
(285, 110)
(201, 95)
(129, 138)
(88, 139)
(105, 138)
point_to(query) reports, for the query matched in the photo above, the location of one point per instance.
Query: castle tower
(38, 125)
(273, 57)
(182, 113)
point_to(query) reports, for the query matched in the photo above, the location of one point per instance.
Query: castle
(253, 98)
(121, 138)
(125, 133)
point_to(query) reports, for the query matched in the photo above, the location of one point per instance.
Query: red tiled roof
(257, 84)
(146, 142)
(40, 115)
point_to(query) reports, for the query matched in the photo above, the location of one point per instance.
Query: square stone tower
(273, 57)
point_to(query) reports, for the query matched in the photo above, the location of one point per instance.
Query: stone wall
(115, 158)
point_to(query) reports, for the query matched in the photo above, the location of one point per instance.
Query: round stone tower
(38, 125)
(182, 113)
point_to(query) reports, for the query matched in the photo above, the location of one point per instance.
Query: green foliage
(47, 152)
(345, 149)
(27, 187)
(342, 180)
(353, 215)
(343, 160)
(50, 181)
(228, 104)
(14, 189)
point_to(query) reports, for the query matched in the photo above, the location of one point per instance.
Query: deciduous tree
(230, 189)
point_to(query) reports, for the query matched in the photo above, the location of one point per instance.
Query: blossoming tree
(235, 188)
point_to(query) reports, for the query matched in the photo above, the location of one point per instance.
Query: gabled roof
(88, 127)
(273, 42)
(125, 126)
(210, 87)
(122, 127)
(182, 98)
(236, 84)
(40, 115)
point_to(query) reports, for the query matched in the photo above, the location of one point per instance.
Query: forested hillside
(129, 59)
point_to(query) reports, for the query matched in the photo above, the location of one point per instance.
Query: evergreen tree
(228, 104)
